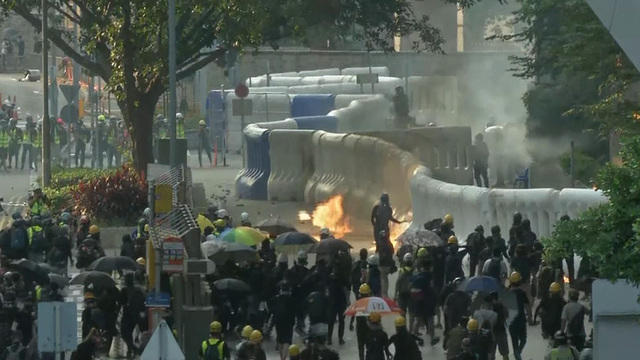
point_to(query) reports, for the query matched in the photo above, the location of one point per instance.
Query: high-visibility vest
(180, 131)
(36, 207)
(38, 292)
(37, 140)
(4, 139)
(217, 343)
(562, 353)
(33, 230)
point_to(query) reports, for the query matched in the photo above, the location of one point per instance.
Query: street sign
(162, 345)
(242, 91)
(158, 300)
(57, 326)
(164, 198)
(367, 78)
(242, 107)
(173, 255)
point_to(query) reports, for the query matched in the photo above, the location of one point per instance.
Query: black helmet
(517, 218)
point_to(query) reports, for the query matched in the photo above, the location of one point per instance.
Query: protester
(573, 314)
(214, 347)
(561, 350)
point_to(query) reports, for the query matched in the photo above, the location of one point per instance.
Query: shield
(108, 264)
(234, 252)
(100, 280)
(274, 226)
(244, 235)
(420, 238)
(231, 285)
(31, 271)
(368, 305)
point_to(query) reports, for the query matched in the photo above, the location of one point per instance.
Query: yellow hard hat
(400, 321)
(364, 289)
(146, 227)
(256, 336)
(472, 325)
(452, 240)
(219, 223)
(423, 252)
(246, 331)
(102, 117)
(375, 317)
(448, 219)
(89, 296)
(202, 123)
(141, 261)
(294, 350)
(515, 277)
(94, 229)
(555, 288)
(215, 327)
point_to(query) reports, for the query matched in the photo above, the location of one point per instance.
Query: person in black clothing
(318, 307)
(316, 349)
(359, 272)
(127, 248)
(377, 343)
(338, 304)
(518, 326)
(550, 310)
(298, 274)
(86, 350)
(515, 232)
(499, 331)
(401, 109)
(521, 262)
(480, 161)
(203, 142)
(132, 301)
(453, 261)
(283, 318)
(456, 304)
(381, 214)
(498, 242)
(362, 329)
(527, 237)
(406, 344)
(467, 351)
(475, 245)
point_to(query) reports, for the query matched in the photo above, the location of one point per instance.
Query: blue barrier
(326, 123)
(312, 105)
(251, 182)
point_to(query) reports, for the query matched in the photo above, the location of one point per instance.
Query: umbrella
(98, 279)
(211, 247)
(368, 305)
(235, 252)
(112, 263)
(294, 238)
(203, 222)
(331, 246)
(58, 279)
(31, 271)
(231, 285)
(420, 238)
(274, 226)
(245, 235)
(480, 283)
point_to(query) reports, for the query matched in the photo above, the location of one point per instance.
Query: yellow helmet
(423, 252)
(375, 317)
(515, 277)
(448, 219)
(146, 227)
(364, 289)
(219, 224)
(555, 288)
(202, 123)
(246, 332)
(452, 240)
(215, 327)
(94, 229)
(256, 336)
(141, 261)
(472, 325)
(89, 296)
(400, 321)
(102, 118)
(294, 350)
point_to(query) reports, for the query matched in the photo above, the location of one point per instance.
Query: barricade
(574, 201)
(537, 205)
(372, 113)
(292, 164)
(329, 159)
(326, 123)
(312, 105)
(251, 182)
(380, 70)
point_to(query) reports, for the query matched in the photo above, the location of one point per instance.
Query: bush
(61, 177)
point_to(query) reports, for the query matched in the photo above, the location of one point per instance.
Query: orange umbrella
(368, 305)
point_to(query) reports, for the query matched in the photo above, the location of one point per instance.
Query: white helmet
(325, 231)
(147, 213)
(222, 213)
(407, 258)
(244, 216)
(179, 116)
(302, 255)
(373, 259)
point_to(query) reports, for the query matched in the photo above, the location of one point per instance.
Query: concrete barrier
(251, 182)
(312, 105)
(293, 165)
(372, 113)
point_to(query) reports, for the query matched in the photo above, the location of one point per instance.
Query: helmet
(407, 258)
(515, 277)
(472, 325)
(244, 216)
(373, 259)
(555, 288)
(302, 255)
(222, 213)
(141, 261)
(179, 116)
(89, 296)
(364, 289)
(219, 224)
(559, 335)
(282, 259)
(325, 231)
(84, 219)
(16, 215)
(146, 228)
(452, 240)
(400, 321)
(65, 217)
(384, 198)
(246, 331)
(215, 327)
(448, 219)
(256, 336)
(457, 281)
(101, 118)
(202, 123)
(423, 252)
(294, 350)
(94, 229)
(147, 213)
(375, 317)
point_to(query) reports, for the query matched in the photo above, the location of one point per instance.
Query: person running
(518, 326)
(573, 320)
(424, 300)
(550, 310)
(405, 344)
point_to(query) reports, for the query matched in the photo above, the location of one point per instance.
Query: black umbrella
(274, 226)
(112, 263)
(99, 279)
(231, 284)
(235, 252)
(294, 238)
(60, 280)
(420, 238)
(31, 271)
(330, 246)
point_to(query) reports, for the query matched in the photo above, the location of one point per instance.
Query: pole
(172, 83)
(268, 73)
(56, 312)
(242, 132)
(370, 70)
(46, 130)
(571, 166)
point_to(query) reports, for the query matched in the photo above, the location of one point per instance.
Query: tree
(125, 41)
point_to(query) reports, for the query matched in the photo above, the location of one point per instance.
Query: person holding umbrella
(361, 322)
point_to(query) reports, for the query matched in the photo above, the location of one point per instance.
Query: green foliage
(608, 235)
(61, 177)
(586, 167)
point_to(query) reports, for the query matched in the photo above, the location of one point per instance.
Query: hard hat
(222, 213)
(423, 252)
(65, 217)
(472, 325)
(219, 223)
(215, 327)
(244, 216)
(407, 258)
(94, 229)
(400, 321)
(141, 261)
(294, 350)
(373, 259)
(325, 231)
(147, 213)
(364, 289)
(448, 219)
(202, 123)
(101, 118)
(555, 288)
(302, 255)
(246, 331)
(89, 296)
(515, 277)
(179, 116)
(375, 317)
(146, 228)
(256, 336)
(84, 219)
(452, 240)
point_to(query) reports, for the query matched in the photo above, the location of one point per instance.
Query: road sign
(173, 255)
(242, 107)
(367, 78)
(164, 198)
(162, 345)
(242, 91)
(57, 326)
(158, 300)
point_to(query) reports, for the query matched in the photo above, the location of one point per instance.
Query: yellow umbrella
(203, 222)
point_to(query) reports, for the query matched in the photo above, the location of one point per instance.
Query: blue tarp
(312, 105)
(326, 123)
(251, 182)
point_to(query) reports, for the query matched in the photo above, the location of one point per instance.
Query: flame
(395, 230)
(303, 216)
(330, 214)
(566, 279)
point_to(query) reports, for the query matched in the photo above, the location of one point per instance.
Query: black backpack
(18, 239)
(38, 241)
(212, 352)
(576, 323)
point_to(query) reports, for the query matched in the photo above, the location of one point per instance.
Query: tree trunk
(139, 121)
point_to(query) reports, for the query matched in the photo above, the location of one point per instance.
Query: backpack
(576, 323)
(404, 281)
(18, 239)
(38, 240)
(213, 351)
(494, 269)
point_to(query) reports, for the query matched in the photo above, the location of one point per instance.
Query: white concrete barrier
(372, 113)
(380, 70)
(293, 164)
(574, 201)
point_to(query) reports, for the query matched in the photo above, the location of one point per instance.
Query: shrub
(62, 177)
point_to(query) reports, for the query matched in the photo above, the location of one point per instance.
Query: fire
(566, 279)
(395, 230)
(303, 216)
(330, 214)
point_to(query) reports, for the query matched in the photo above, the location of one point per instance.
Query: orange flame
(566, 279)
(303, 216)
(395, 230)
(330, 214)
